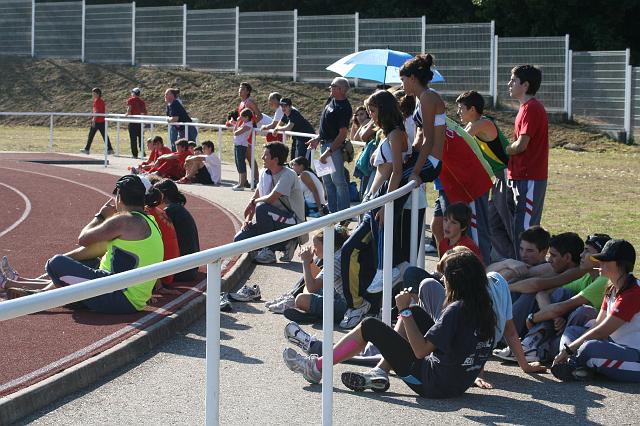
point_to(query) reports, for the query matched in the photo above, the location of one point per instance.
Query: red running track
(42, 209)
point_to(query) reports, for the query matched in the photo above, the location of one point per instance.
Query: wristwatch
(406, 313)
(530, 318)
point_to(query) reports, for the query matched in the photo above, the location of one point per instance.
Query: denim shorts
(339, 306)
(241, 157)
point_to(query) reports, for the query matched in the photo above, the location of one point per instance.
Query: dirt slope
(59, 85)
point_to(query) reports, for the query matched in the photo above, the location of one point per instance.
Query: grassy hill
(65, 86)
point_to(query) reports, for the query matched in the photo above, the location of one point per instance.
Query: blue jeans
(336, 183)
(240, 152)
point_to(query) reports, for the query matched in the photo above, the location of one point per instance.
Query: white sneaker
(375, 379)
(84, 151)
(305, 365)
(276, 300)
(430, 248)
(7, 270)
(237, 187)
(246, 294)
(286, 303)
(296, 335)
(376, 285)
(265, 256)
(353, 316)
(505, 354)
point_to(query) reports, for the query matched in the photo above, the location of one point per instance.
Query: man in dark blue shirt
(294, 121)
(334, 127)
(177, 114)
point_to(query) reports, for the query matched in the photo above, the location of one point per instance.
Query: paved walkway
(167, 386)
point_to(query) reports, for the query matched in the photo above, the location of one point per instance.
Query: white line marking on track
(25, 213)
(60, 178)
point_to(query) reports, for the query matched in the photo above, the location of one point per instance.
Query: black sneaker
(301, 317)
(569, 372)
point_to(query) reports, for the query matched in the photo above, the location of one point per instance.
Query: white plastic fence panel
(211, 39)
(546, 53)
(15, 27)
(58, 31)
(322, 40)
(635, 103)
(462, 54)
(108, 33)
(159, 37)
(266, 43)
(598, 88)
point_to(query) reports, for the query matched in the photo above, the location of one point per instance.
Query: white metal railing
(153, 120)
(213, 258)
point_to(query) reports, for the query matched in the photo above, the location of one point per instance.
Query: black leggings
(396, 350)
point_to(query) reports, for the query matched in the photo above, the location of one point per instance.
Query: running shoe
(286, 303)
(265, 256)
(375, 379)
(296, 335)
(305, 365)
(289, 250)
(84, 151)
(246, 294)
(569, 372)
(276, 300)
(300, 316)
(225, 304)
(505, 354)
(110, 152)
(430, 248)
(353, 316)
(237, 187)
(376, 285)
(7, 270)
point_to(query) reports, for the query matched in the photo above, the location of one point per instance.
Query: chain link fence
(108, 33)
(463, 55)
(550, 54)
(266, 43)
(15, 27)
(58, 30)
(323, 40)
(210, 46)
(598, 88)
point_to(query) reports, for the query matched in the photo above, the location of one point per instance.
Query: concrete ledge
(22, 403)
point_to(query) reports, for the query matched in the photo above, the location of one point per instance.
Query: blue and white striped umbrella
(381, 65)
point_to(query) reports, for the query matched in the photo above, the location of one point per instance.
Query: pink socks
(340, 353)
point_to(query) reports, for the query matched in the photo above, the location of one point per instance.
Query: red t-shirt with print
(533, 162)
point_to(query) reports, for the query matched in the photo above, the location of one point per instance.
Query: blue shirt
(501, 298)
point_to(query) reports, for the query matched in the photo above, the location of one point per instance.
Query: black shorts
(203, 176)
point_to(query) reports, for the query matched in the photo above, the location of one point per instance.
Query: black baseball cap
(615, 250)
(133, 186)
(597, 241)
(286, 101)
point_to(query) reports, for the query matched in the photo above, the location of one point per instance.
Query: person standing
(295, 122)
(528, 166)
(97, 121)
(177, 114)
(135, 106)
(334, 127)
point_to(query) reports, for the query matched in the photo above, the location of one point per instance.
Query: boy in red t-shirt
(135, 106)
(97, 122)
(156, 149)
(456, 221)
(528, 166)
(172, 165)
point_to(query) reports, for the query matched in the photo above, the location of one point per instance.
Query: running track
(42, 209)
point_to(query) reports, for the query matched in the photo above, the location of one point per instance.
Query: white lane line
(60, 178)
(25, 213)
